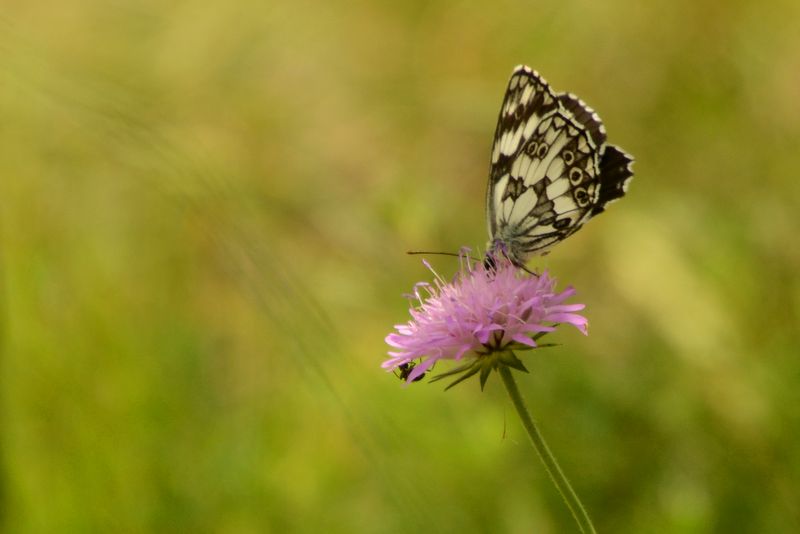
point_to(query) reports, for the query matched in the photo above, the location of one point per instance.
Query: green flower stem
(567, 493)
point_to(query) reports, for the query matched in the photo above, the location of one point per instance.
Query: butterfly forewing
(528, 98)
(551, 169)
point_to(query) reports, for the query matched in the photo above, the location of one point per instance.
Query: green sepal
(475, 369)
(457, 370)
(486, 363)
(510, 359)
(521, 346)
(485, 371)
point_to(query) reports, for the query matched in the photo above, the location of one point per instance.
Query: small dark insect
(405, 371)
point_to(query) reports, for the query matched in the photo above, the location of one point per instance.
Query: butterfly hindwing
(551, 168)
(616, 173)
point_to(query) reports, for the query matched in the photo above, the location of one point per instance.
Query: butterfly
(551, 169)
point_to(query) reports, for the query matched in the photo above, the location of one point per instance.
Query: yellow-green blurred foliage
(205, 210)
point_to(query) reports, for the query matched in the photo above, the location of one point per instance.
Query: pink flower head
(482, 312)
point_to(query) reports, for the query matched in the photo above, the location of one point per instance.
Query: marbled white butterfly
(551, 169)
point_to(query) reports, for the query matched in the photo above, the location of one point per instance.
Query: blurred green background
(205, 213)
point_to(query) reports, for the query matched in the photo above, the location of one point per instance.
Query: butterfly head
(511, 243)
(501, 249)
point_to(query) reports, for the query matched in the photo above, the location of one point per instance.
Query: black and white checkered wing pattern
(551, 168)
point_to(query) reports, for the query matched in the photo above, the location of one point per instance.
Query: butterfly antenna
(488, 261)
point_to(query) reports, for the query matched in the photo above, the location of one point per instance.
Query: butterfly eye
(575, 176)
(568, 157)
(542, 151)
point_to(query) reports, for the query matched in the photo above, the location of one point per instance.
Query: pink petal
(523, 339)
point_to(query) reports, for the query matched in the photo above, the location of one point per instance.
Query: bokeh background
(205, 213)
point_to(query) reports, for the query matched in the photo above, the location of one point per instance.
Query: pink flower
(484, 313)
